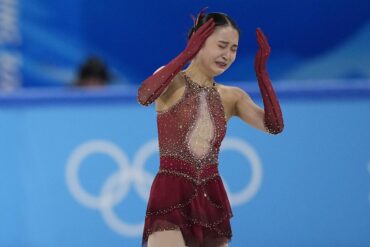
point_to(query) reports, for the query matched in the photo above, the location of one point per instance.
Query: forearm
(273, 117)
(153, 86)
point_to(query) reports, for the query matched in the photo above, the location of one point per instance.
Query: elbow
(142, 97)
(275, 129)
(142, 100)
(274, 125)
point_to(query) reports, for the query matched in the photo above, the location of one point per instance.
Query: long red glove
(154, 86)
(273, 116)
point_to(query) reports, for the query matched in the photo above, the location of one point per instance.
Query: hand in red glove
(263, 52)
(273, 116)
(155, 85)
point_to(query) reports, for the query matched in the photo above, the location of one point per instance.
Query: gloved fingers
(257, 61)
(208, 32)
(263, 42)
(200, 36)
(205, 26)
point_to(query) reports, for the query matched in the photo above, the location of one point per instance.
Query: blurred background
(78, 153)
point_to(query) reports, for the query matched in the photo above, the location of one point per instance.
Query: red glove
(273, 116)
(154, 86)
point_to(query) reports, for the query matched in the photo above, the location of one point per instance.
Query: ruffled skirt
(193, 201)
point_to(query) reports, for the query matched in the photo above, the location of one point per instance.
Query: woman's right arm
(155, 85)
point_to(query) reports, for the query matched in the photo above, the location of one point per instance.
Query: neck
(198, 76)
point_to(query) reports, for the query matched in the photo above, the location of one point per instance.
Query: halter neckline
(189, 80)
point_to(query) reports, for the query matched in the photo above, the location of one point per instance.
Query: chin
(218, 71)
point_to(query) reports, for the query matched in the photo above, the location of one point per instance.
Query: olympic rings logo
(117, 186)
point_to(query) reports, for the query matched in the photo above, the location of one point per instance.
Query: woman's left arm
(270, 119)
(273, 117)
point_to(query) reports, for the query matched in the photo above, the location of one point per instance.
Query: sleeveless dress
(187, 192)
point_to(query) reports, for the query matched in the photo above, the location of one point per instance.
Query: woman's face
(219, 51)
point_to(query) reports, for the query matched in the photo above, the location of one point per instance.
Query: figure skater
(188, 204)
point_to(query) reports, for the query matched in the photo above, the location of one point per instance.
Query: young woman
(188, 205)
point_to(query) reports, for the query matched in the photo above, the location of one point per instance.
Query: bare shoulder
(172, 94)
(230, 93)
(174, 87)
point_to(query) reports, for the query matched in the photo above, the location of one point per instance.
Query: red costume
(187, 191)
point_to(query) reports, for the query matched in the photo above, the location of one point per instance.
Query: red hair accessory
(199, 16)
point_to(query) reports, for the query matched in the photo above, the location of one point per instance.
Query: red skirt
(193, 201)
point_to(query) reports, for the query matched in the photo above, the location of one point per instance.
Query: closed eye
(224, 44)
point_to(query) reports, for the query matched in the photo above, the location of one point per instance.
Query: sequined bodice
(192, 130)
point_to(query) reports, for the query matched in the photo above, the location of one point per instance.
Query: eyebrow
(226, 43)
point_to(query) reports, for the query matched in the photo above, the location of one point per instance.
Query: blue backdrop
(76, 165)
(42, 42)
(76, 171)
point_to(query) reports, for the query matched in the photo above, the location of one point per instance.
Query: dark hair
(220, 19)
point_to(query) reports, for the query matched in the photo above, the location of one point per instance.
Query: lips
(221, 64)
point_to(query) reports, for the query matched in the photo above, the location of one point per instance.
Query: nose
(227, 56)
